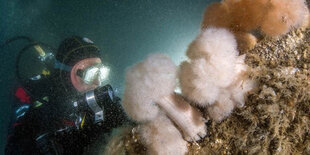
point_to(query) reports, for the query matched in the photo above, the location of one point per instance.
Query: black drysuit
(43, 121)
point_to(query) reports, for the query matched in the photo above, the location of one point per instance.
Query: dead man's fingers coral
(273, 17)
(222, 108)
(236, 15)
(233, 96)
(239, 90)
(161, 137)
(213, 76)
(146, 82)
(246, 15)
(283, 15)
(188, 118)
(213, 56)
(196, 84)
(213, 43)
(240, 16)
(216, 15)
(150, 87)
(246, 41)
(219, 48)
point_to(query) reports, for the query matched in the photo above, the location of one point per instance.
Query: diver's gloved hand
(114, 114)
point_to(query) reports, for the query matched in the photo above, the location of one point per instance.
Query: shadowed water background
(125, 31)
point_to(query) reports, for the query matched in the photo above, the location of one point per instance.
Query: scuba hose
(15, 39)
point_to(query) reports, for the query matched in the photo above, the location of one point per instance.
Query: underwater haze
(126, 31)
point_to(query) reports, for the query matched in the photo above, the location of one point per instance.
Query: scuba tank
(40, 53)
(34, 62)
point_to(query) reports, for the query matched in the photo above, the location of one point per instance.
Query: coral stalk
(186, 117)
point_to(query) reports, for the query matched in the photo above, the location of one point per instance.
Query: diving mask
(97, 74)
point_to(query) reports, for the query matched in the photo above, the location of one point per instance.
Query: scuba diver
(66, 107)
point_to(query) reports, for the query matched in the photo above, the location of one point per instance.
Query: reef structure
(275, 118)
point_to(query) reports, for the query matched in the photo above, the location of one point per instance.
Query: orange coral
(274, 17)
(245, 40)
(282, 16)
(216, 14)
(242, 15)
(246, 14)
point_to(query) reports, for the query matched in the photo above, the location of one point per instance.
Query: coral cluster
(163, 115)
(271, 17)
(215, 78)
(146, 83)
(275, 117)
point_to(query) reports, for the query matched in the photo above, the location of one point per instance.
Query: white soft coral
(219, 48)
(162, 138)
(196, 83)
(213, 57)
(149, 98)
(147, 82)
(214, 77)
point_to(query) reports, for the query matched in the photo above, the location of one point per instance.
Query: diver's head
(79, 62)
